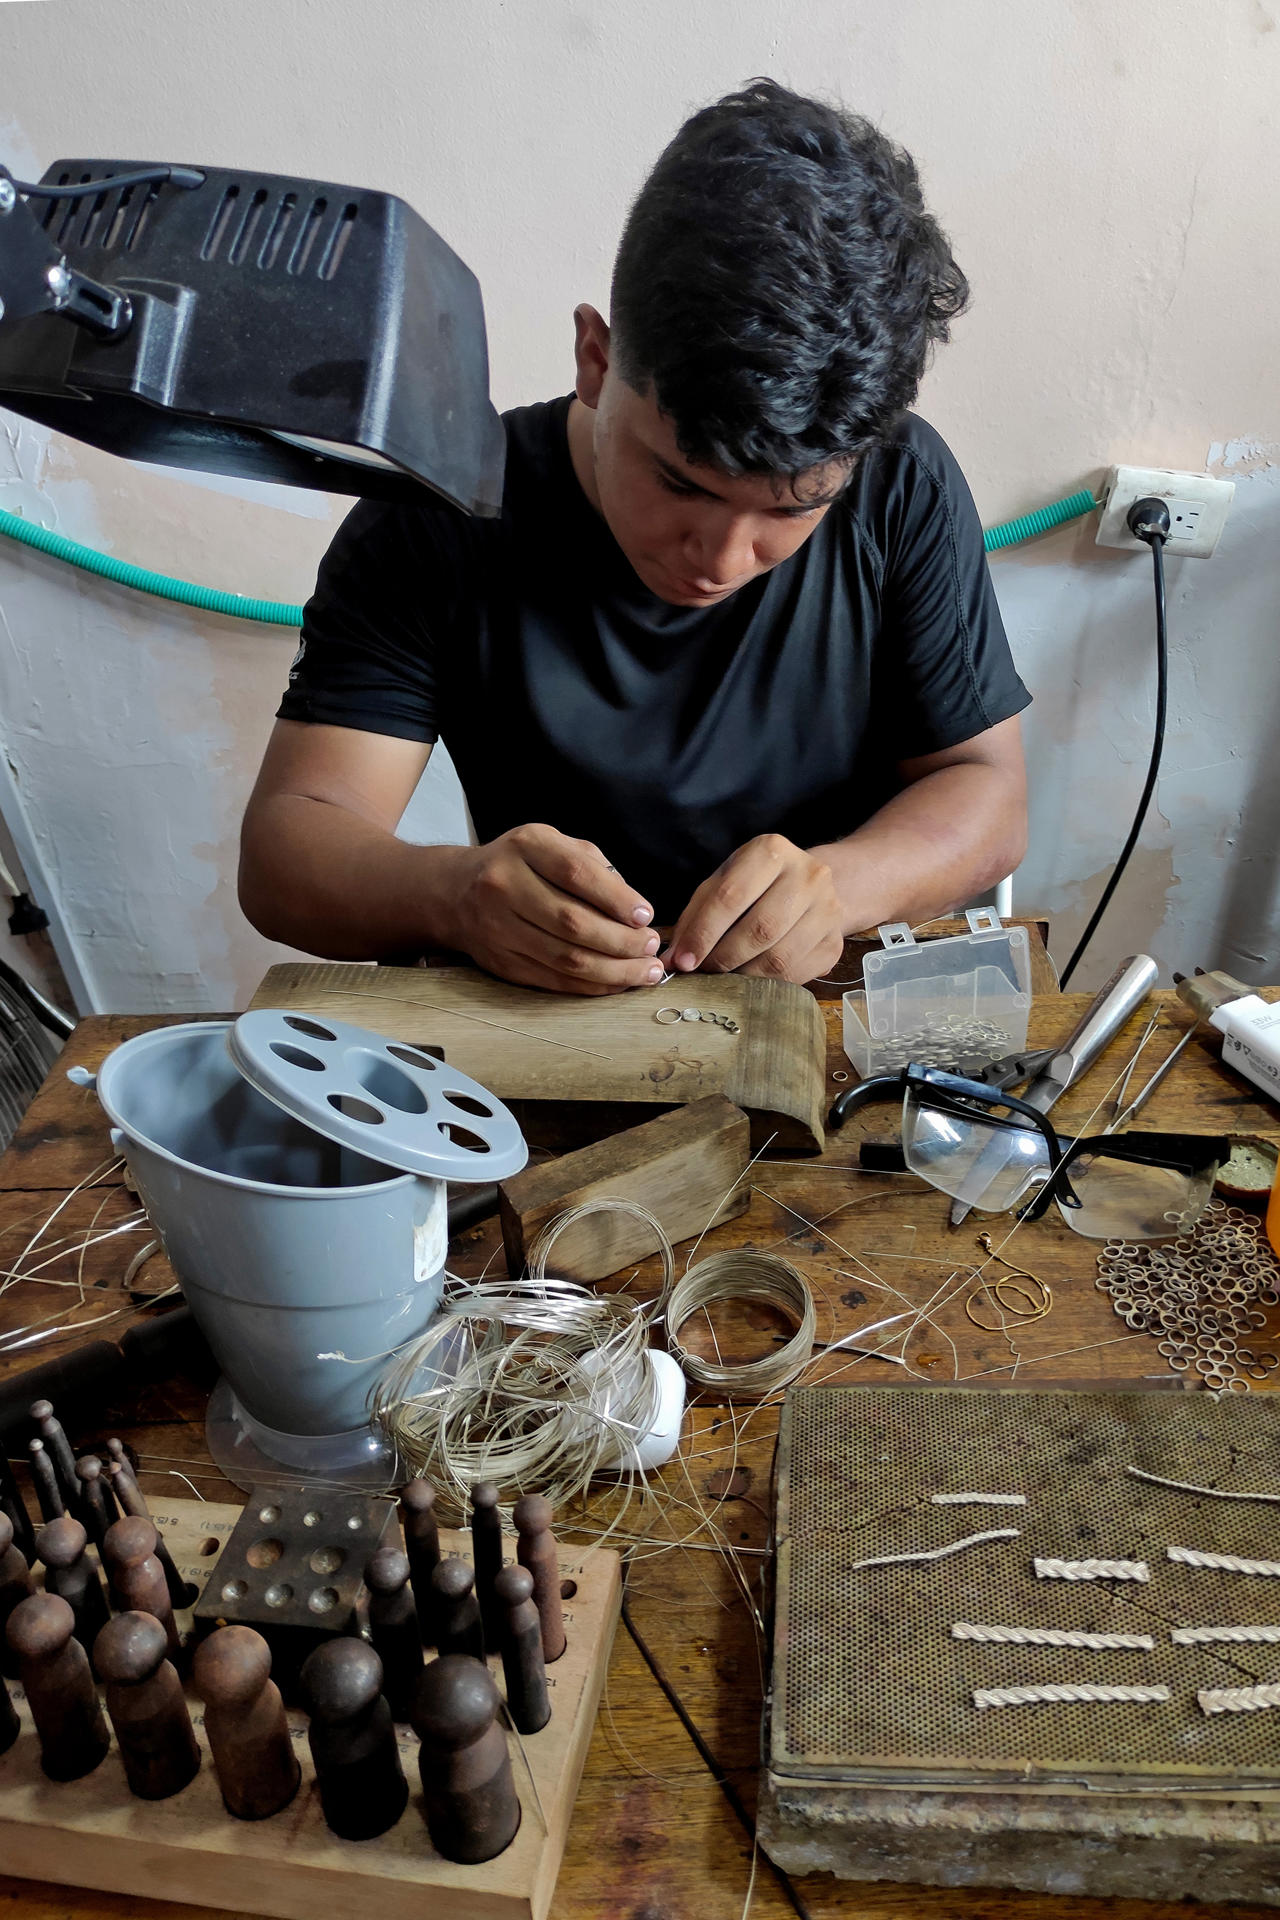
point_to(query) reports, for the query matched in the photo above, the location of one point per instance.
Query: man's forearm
(322, 878)
(930, 848)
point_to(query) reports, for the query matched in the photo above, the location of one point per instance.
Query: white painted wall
(1110, 183)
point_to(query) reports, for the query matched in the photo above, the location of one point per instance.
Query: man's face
(693, 534)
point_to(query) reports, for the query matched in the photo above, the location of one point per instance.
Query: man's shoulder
(537, 440)
(902, 484)
(912, 451)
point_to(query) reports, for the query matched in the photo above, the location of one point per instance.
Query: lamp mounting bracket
(36, 278)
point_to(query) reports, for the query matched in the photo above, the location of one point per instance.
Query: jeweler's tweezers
(1123, 1089)
(1135, 1106)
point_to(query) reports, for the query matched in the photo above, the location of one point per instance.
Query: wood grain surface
(654, 1837)
(679, 1167)
(527, 1045)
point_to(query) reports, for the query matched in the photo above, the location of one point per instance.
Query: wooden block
(527, 1045)
(679, 1166)
(93, 1833)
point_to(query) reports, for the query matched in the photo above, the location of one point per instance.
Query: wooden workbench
(654, 1835)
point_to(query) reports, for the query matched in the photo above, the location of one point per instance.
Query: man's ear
(591, 353)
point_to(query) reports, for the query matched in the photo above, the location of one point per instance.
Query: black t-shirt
(566, 692)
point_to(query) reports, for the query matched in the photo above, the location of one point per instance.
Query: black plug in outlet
(1148, 519)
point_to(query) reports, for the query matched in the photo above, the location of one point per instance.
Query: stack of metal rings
(951, 1042)
(1202, 1295)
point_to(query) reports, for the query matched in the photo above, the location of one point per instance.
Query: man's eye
(673, 486)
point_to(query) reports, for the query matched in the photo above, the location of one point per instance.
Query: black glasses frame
(955, 1094)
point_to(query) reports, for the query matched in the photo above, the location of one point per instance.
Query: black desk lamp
(280, 329)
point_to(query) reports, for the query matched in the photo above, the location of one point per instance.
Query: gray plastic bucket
(289, 1247)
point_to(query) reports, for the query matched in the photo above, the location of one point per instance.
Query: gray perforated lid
(389, 1101)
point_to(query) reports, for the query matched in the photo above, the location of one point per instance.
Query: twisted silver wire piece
(1050, 1637)
(1237, 1699)
(978, 1499)
(1221, 1562)
(1067, 1695)
(1208, 1493)
(934, 1553)
(1229, 1636)
(1092, 1570)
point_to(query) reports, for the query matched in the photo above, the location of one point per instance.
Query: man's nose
(722, 551)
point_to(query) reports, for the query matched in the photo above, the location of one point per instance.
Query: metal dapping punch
(244, 1723)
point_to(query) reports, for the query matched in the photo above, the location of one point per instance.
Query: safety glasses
(996, 1152)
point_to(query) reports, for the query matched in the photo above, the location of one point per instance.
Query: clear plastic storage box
(947, 1003)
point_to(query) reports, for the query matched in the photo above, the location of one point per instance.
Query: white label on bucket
(431, 1236)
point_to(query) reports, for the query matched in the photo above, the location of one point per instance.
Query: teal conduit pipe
(278, 613)
(1030, 524)
(274, 612)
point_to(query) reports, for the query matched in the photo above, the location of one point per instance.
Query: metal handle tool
(1135, 1106)
(1102, 1020)
(1127, 988)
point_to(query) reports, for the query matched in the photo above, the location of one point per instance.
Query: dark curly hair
(780, 284)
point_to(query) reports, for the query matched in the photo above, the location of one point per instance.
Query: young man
(729, 662)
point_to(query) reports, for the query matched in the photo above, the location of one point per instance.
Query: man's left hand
(770, 908)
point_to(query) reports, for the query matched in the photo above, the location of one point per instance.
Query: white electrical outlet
(1197, 504)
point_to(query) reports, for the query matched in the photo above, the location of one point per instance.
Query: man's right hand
(542, 910)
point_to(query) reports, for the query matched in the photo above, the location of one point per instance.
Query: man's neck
(581, 432)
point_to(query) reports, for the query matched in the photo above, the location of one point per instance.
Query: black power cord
(1148, 519)
(708, 1759)
(85, 189)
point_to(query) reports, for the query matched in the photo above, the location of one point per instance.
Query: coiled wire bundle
(536, 1386)
(540, 1251)
(741, 1273)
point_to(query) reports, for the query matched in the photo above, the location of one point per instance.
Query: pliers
(1009, 1071)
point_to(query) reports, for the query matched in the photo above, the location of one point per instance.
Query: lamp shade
(282, 329)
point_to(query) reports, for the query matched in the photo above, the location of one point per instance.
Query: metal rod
(1136, 1106)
